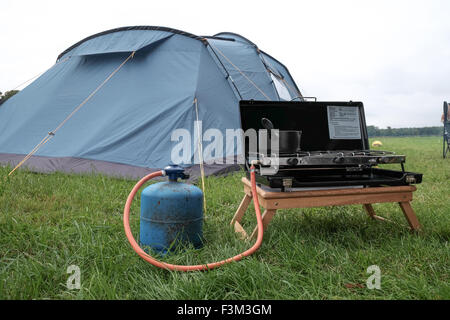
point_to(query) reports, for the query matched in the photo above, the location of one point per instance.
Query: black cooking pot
(289, 140)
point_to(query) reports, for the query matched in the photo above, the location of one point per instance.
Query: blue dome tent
(115, 98)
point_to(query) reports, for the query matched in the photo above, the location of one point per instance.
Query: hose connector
(174, 172)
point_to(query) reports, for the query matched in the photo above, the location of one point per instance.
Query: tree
(374, 131)
(7, 95)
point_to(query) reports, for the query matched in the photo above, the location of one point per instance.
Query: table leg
(266, 218)
(370, 211)
(236, 221)
(410, 215)
(241, 210)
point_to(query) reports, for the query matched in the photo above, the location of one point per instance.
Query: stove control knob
(410, 179)
(338, 160)
(383, 160)
(292, 161)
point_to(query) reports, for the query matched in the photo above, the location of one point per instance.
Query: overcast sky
(392, 55)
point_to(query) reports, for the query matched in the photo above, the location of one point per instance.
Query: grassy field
(51, 221)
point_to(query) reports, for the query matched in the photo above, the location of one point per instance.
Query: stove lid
(325, 125)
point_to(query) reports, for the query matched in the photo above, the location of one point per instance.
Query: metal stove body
(334, 147)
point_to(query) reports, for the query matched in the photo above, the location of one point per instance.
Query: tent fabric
(121, 41)
(126, 128)
(274, 66)
(124, 38)
(249, 66)
(80, 166)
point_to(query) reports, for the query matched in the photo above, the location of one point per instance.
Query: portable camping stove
(332, 168)
(334, 137)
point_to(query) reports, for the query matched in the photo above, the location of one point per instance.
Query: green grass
(51, 221)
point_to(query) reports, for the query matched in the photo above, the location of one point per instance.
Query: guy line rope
(240, 71)
(40, 73)
(51, 134)
(270, 68)
(294, 90)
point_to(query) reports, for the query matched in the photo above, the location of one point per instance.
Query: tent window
(283, 92)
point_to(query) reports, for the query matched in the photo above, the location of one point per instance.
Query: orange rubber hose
(208, 266)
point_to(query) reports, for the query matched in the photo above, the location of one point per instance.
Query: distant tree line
(374, 131)
(8, 94)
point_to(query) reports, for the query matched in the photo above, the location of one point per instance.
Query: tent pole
(200, 153)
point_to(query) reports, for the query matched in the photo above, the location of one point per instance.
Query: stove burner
(331, 168)
(340, 153)
(359, 158)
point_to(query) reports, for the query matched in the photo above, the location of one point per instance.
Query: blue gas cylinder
(171, 213)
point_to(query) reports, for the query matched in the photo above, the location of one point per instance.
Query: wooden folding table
(273, 201)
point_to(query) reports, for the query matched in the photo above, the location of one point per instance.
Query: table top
(328, 192)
